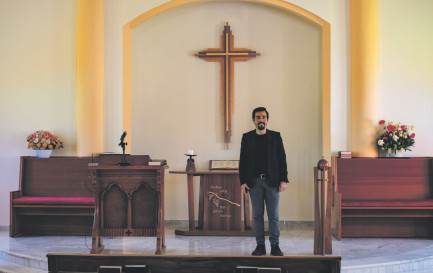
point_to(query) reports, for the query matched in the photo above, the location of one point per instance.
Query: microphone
(123, 144)
(122, 138)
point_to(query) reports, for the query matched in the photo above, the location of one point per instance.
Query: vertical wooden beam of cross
(227, 54)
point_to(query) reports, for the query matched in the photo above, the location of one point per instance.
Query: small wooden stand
(220, 205)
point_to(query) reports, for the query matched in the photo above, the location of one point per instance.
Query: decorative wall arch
(325, 61)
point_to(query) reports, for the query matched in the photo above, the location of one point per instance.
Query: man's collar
(261, 134)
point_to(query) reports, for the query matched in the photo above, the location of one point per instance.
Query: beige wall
(113, 16)
(37, 81)
(406, 68)
(340, 74)
(176, 96)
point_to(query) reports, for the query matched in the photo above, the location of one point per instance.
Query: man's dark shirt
(261, 155)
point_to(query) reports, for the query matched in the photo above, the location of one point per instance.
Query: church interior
(330, 73)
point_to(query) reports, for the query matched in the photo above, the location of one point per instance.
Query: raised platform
(358, 255)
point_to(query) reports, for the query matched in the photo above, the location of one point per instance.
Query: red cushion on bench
(387, 203)
(27, 200)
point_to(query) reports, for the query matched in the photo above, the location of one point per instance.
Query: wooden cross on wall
(227, 55)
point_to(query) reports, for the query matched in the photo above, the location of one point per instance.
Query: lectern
(220, 205)
(129, 199)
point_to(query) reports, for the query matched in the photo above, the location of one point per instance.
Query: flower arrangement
(43, 140)
(394, 137)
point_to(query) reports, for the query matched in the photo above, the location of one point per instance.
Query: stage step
(8, 267)
(17, 259)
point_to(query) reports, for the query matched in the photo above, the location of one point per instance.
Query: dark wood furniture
(54, 197)
(322, 208)
(384, 197)
(220, 205)
(193, 264)
(129, 199)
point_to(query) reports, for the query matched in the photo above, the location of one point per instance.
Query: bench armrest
(15, 194)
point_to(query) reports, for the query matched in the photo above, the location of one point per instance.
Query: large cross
(227, 55)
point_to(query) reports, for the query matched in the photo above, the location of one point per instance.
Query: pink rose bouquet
(394, 138)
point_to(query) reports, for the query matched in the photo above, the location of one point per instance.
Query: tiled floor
(28, 254)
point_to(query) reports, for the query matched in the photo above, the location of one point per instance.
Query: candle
(190, 152)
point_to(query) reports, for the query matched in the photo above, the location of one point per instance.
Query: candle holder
(190, 165)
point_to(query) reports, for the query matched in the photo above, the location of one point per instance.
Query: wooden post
(317, 215)
(322, 208)
(190, 186)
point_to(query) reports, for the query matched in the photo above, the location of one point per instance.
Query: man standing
(263, 174)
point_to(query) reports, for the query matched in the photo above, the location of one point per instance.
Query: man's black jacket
(277, 165)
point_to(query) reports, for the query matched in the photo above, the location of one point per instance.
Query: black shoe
(276, 251)
(259, 251)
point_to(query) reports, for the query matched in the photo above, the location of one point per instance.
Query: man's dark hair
(260, 109)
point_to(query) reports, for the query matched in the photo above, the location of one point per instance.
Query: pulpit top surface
(126, 162)
(98, 167)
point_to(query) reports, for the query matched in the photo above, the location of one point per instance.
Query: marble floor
(28, 254)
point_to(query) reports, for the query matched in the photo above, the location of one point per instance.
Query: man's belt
(263, 175)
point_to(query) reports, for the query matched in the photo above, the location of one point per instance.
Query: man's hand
(283, 186)
(245, 189)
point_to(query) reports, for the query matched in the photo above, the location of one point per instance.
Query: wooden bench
(384, 197)
(54, 197)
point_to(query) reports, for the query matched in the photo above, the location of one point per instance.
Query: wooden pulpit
(129, 199)
(220, 205)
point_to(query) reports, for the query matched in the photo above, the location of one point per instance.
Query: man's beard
(261, 126)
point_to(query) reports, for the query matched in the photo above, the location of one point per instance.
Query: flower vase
(43, 153)
(382, 153)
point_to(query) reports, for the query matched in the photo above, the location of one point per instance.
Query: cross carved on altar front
(227, 55)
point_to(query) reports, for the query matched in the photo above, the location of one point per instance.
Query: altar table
(220, 205)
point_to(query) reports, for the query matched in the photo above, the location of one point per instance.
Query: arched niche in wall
(282, 6)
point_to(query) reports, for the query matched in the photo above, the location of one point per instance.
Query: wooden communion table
(220, 205)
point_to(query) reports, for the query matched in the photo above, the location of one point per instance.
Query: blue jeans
(260, 195)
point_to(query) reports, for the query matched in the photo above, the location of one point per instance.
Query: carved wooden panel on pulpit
(132, 206)
(114, 207)
(144, 208)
